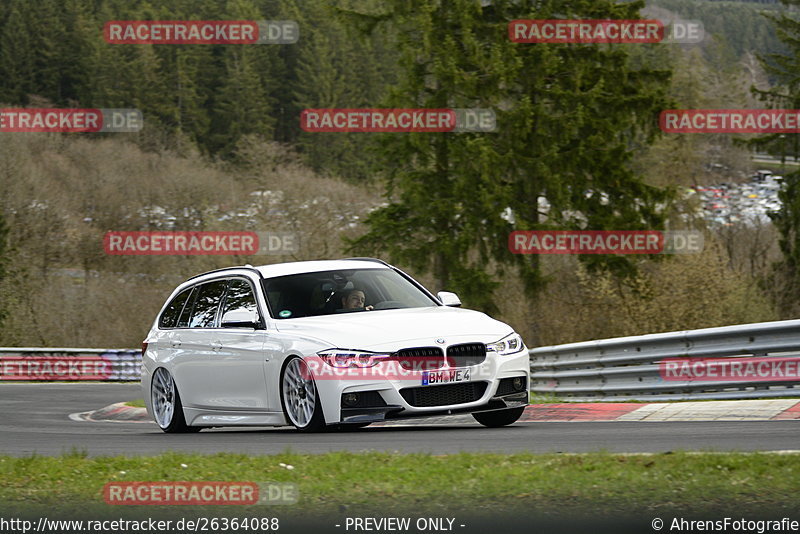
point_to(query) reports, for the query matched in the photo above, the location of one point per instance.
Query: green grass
(138, 403)
(775, 166)
(596, 483)
(543, 398)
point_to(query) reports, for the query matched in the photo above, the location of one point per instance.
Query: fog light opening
(518, 383)
(350, 399)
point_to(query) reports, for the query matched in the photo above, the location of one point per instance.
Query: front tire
(499, 418)
(300, 398)
(166, 403)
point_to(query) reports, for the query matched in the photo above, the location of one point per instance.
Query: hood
(394, 329)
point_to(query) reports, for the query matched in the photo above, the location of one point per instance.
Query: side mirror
(449, 299)
(240, 318)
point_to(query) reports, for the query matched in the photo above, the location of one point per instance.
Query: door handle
(216, 345)
(176, 343)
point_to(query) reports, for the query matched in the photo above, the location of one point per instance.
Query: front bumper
(383, 413)
(395, 401)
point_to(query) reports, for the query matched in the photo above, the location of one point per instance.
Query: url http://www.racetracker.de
(196, 524)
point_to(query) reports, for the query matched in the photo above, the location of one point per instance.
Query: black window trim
(193, 299)
(217, 315)
(262, 284)
(170, 301)
(219, 304)
(261, 319)
(413, 282)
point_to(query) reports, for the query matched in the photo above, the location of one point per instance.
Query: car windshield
(341, 292)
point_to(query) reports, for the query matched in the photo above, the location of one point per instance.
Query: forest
(577, 146)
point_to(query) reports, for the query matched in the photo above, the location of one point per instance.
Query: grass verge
(597, 483)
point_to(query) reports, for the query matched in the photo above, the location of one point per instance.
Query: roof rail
(247, 267)
(374, 260)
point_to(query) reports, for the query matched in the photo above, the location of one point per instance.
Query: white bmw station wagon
(325, 344)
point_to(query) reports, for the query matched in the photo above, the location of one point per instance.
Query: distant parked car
(325, 344)
(762, 175)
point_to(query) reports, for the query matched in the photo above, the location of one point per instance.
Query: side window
(183, 322)
(206, 304)
(169, 319)
(239, 297)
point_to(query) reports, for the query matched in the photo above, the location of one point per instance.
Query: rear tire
(499, 418)
(166, 404)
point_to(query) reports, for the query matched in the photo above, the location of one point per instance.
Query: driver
(354, 300)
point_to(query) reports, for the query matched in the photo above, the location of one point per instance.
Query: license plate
(445, 377)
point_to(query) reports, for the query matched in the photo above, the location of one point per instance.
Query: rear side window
(183, 322)
(169, 319)
(206, 304)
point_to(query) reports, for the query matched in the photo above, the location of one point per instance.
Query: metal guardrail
(632, 368)
(627, 368)
(56, 364)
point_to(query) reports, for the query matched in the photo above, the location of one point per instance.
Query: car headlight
(352, 358)
(510, 344)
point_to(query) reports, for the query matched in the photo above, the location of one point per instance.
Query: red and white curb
(741, 410)
(732, 410)
(116, 413)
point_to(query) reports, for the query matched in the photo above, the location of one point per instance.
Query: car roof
(297, 267)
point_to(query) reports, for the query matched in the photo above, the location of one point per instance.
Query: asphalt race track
(35, 419)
